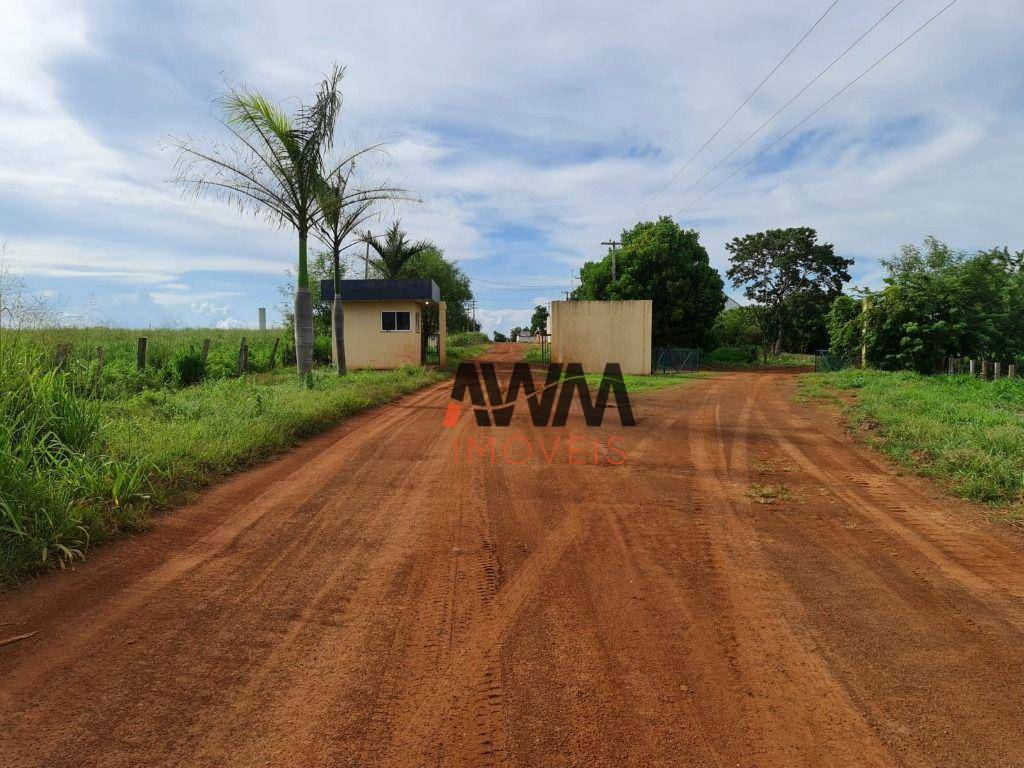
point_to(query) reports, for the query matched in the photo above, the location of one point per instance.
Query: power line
(737, 110)
(781, 109)
(824, 104)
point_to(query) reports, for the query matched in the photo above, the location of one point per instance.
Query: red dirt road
(367, 601)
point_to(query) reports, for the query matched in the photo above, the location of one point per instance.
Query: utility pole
(613, 246)
(366, 262)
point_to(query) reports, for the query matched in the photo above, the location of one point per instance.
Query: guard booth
(388, 322)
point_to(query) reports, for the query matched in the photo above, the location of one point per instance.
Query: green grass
(534, 353)
(464, 346)
(189, 437)
(636, 384)
(734, 357)
(165, 348)
(965, 432)
(80, 463)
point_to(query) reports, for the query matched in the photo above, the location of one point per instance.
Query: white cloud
(558, 119)
(503, 319)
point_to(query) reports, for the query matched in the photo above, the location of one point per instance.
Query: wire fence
(675, 360)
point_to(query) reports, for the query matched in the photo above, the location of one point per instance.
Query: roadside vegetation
(80, 462)
(960, 430)
(637, 384)
(465, 346)
(936, 303)
(740, 358)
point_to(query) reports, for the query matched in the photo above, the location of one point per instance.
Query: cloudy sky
(532, 131)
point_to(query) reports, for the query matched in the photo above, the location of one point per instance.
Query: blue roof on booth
(382, 290)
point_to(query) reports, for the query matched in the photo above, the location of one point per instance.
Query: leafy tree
(515, 333)
(845, 322)
(393, 251)
(275, 167)
(806, 328)
(539, 321)
(430, 264)
(737, 327)
(660, 261)
(499, 336)
(778, 266)
(940, 303)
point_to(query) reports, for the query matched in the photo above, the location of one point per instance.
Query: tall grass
(171, 355)
(465, 346)
(84, 457)
(964, 431)
(58, 488)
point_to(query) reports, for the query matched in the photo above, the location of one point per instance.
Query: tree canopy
(938, 303)
(789, 273)
(660, 261)
(737, 327)
(539, 321)
(430, 264)
(393, 252)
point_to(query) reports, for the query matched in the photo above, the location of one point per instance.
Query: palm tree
(394, 252)
(342, 209)
(275, 168)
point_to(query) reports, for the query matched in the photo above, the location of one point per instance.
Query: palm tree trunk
(338, 314)
(303, 331)
(338, 334)
(303, 313)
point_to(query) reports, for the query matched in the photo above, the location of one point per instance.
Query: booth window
(395, 321)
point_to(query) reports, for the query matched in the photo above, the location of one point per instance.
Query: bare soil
(370, 600)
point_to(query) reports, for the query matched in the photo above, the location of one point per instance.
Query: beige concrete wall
(367, 346)
(597, 332)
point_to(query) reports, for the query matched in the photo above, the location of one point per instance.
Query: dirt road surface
(369, 600)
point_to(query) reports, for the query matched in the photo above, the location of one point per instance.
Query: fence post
(1011, 371)
(973, 367)
(140, 359)
(206, 350)
(243, 358)
(984, 369)
(997, 368)
(273, 352)
(60, 360)
(951, 364)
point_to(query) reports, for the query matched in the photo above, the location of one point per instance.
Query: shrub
(187, 367)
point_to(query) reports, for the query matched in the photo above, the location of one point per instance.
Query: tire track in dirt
(367, 601)
(910, 601)
(772, 655)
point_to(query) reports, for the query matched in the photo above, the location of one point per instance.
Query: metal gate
(432, 349)
(675, 360)
(825, 361)
(545, 347)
